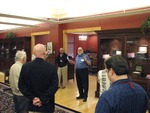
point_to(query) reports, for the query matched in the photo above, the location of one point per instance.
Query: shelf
(128, 41)
(8, 49)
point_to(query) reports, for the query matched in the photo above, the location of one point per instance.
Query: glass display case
(8, 49)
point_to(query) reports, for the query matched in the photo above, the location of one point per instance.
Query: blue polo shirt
(80, 62)
(123, 96)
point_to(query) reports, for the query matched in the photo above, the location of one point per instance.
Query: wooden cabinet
(70, 71)
(8, 49)
(51, 59)
(126, 42)
(144, 82)
(137, 57)
(93, 67)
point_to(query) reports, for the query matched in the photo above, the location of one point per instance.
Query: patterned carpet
(62, 109)
(7, 105)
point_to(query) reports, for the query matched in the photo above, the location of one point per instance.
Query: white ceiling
(30, 13)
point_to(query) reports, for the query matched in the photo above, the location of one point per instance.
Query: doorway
(71, 42)
(77, 31)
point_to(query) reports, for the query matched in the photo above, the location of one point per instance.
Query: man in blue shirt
(82, 63)
(123, 96)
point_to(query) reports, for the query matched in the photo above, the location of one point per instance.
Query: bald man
(38, 82)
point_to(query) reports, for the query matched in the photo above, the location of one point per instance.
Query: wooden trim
(121, 32)
(40, 33)
(65, 40)
(32, 43)
(33, 38)
(83, 29)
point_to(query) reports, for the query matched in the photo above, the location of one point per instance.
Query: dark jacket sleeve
(23, 85)
(58, 59)
(65, 57)
(53, 87)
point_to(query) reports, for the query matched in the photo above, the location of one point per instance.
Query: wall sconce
(82, 37)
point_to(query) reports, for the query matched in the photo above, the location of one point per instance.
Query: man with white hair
(39, 82)
(19, 100)
(82, 63)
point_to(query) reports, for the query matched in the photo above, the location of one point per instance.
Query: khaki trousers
(62, 71)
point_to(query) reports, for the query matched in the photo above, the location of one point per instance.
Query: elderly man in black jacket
(38, 82)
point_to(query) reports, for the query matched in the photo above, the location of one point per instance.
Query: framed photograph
(49, 47)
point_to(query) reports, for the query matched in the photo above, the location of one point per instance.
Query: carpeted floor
(7, 105)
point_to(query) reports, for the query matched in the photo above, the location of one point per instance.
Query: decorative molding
(40, 33)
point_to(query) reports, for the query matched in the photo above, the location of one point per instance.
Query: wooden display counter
(144, 82)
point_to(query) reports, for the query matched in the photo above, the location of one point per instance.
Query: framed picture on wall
(49, 47)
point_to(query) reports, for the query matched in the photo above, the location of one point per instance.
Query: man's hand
(85, 58)
(37, 102)
(71, 62)
(88, 62)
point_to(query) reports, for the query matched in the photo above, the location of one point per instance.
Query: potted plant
(10, 35)
(145, 25)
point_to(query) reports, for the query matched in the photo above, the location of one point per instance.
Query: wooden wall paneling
(8, 49)
(124, 37)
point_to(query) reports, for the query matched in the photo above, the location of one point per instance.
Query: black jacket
(62, 60)
(39, 79)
